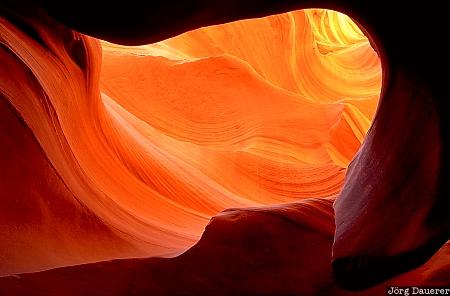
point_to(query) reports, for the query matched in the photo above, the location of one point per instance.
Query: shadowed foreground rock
(256, 251)
(391, 216)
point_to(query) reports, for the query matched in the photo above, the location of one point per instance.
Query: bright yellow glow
(249, 113)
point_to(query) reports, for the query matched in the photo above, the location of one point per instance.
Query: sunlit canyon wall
(113, 151)
(148, 143)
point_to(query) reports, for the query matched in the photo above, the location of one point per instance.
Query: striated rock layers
(112, 151)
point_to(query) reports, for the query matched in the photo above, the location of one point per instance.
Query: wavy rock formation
(172, 133)
(120, 152)
(275, 250)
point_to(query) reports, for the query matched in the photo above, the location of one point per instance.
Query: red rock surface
(117, 152)
(278, 250)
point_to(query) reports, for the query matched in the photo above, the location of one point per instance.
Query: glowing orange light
(253, 112)
(249, 113)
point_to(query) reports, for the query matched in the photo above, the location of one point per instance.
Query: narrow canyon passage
(246, 128)
(177, 131)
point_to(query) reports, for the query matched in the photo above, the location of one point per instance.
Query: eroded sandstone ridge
(112, 151)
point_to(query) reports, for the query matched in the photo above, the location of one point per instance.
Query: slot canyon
(223, 148)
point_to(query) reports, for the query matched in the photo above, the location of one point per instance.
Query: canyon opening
(214, 162)
(245, 114)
